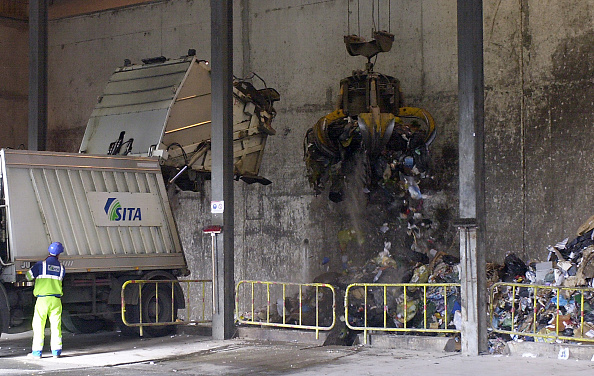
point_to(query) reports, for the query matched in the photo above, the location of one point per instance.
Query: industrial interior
(397, 167)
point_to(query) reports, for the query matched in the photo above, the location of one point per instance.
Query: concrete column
(473, 284)
(222, 164)
(471, 180)
(37, 74)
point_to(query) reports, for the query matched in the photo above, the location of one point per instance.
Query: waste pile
(404, 304)
(535, 301)
(558, 303)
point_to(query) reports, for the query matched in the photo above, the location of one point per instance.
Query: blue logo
(115, 211)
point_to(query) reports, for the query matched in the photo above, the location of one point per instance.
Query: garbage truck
(108, 204)
(112, 215)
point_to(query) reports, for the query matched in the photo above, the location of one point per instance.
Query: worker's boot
(35, 354)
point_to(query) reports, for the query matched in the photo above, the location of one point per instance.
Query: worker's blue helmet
(55, 248)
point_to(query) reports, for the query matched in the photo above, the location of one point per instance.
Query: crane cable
(373, 29)
(373, 16)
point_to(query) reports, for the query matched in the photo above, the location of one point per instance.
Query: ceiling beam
(69, 8)
(14, 9)
(19, 9)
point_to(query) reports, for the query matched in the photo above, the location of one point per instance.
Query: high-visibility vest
(48, 275)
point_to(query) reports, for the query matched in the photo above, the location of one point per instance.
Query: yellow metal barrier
(148, 313)
(393, 310)
(541, 311)
(309, 309)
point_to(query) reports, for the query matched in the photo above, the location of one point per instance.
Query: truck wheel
(164, 305)
(132, 315)
(79, 325)
(4, 310)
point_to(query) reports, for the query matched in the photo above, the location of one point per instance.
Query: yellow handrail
(173, 320)
(533, 330)
(254, 285)
(365, 327)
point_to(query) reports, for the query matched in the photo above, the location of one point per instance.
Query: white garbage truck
(113, 217)
(108, 203)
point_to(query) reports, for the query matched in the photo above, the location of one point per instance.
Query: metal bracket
(465, 223)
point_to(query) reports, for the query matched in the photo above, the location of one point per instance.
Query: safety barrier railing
(310, 306)
(157, 296)
(394, 307)
(547, 312)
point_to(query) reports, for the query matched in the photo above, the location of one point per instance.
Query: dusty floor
(109, 353)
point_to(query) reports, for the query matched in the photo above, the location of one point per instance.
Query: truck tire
(4, 311)
(79, 325)
(132, 315)
(150, 308)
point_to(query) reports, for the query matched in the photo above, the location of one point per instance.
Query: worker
(48, 275)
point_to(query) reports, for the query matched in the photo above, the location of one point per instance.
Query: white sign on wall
(217, 207)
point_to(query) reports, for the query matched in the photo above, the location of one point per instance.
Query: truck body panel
(110, 212)
(163, 108)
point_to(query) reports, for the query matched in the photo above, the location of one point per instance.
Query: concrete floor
(109, 353)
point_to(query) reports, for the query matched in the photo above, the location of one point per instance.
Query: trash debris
(497, 346)
(559, 309)
(405, 305)
(514, 268)
(557, 303)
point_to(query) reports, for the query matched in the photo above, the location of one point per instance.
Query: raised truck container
(163, 108)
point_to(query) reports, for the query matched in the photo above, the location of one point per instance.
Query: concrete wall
(539, 112)
(14, 77)
(539, 116)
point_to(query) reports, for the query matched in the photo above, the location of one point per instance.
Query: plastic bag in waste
(458, 320)
(514, 267)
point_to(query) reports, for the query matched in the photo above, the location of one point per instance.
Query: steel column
(471, 180)
(37, 74)
(222, 163)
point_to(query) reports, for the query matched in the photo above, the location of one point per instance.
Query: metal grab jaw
(213, 230)
(358, 46)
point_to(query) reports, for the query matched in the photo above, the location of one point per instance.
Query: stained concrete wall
(538, 103)
(14, 77)
(539, 115)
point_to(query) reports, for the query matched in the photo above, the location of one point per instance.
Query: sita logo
(115, 211)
